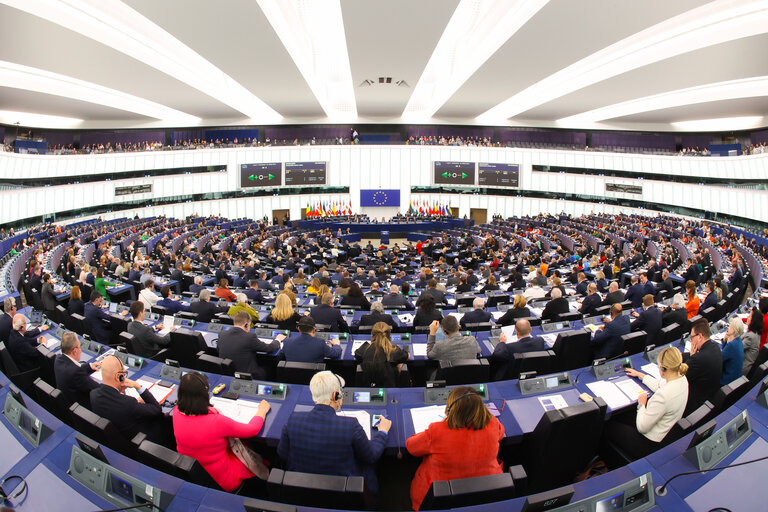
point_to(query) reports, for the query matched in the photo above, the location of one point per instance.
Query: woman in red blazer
(465, 444)
(203, 434)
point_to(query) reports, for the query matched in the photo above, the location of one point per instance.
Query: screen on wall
(305, 173)
(498, 175)
(261, 175)
(454, 173)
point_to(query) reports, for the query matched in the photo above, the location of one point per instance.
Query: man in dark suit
(22, 344)
(581, 286)
(146, 342)
(736, 276)
(635, 293)
(325, 314)
(48, 295)
(97, 319)
(197, 286)
(648, 320)
(128, 415)
(607, 341)
(556, 306)
(647, 285)
(241, 346)
(591, 302)
(614, 296)
(395, 300)
(711, 298)
(506, 349)
(377, 315)
(434, 292)
(477, 315)
(177, 274)
(253, 293)
(705, 366)
(676, 313)
(169, 303)
(73, 377)
(666, 284)
(6, 319)
(240, 281)
(203, 307)
(320, 441)
(692, 272)
(134, 274)
(306, 348)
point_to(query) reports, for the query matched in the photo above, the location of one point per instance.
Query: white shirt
(148, 297)
(664, 408)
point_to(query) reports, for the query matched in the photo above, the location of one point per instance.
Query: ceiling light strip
(721, 124)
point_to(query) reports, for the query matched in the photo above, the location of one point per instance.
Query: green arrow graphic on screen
(251, 177)
(269, 177)
(447, 174)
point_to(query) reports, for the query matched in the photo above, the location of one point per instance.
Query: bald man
(505, 351)
(125, 412)
(22, 344)
(614, 295)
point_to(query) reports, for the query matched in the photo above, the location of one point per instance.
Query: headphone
(468, 393)
(4, 496)
(121, 377)
(201, 379)
(337, 394)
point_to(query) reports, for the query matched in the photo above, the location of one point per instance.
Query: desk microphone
(662, 489)
(626, 353)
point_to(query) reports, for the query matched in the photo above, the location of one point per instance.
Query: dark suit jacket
(372, 318)
(613, 298)
(475, 316)
(607, 343)
(434, 292)
(671, 316)
(205, 310)
(23, 349)
(129, 416)
(364, 304)
(396, 300)
(319, 441)
(241, 348)
(196, 288)
(581, 288)
(666, 285)
(74, 380)
(328, 315)
(506, 351)
(94, 317)
(710, 301)
(635, 294)
(6, 326)
(303, 348)
(254, 295)
(555, 308)
(48, 297)
(512, 314)
(590, 304)
(704, 371)
(648, 321)
(146, 342)
(76, 306)
(422, 318)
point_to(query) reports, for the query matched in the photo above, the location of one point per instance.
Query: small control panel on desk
(545, 384)
(131, 361)
(28, 425)
(365, 396)
(635, 496)
(327, 336)
(439, 395)
(709, 452)
(259, 389)
(610, 369)
(171, 371)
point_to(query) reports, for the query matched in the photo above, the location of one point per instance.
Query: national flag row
(328, 209)
(429, 208)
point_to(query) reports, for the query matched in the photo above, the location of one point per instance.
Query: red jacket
(450, 454)
(205, 438)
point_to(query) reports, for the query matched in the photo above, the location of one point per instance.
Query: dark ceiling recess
(383, 80)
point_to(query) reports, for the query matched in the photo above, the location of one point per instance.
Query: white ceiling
(391, 38)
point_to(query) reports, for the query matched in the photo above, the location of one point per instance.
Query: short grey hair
(556, 293)
(8, 304)
(323, 385)
(377, 307)
(393, 288)
(737, 325)
(19, 322)
(478, 303)
(241, 298)
(68, 342)
(205, 294)
(678, 300)
(198, 280)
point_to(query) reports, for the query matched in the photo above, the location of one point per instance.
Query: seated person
(675, 313)
(614, 296)
(355, 297)
(306, 348)
(751, 339)
(283, 314)
(395, 300)
(733, 351)
(319, 441)
(203, 308)
(705, 366)
(477, 315)
(9, 310)
(325, 314)
(491, 285)
(22, 344)
(75, 305)
(607, 340)
(197, 286)
(377, 315)
(434, 292)
(648, 320)
(693, 302)
(468, 424)
(148, 295)
(506, 349)
(146, 342)
(635, 292)
(240, 345)
(519, 309)
(582, 284)
(710, 300)
(128, 415)
(174, 305)
(224, 292)
(97, 319)
(381, 361)
(426, 312)
(455, 346)
(73, 377)
(591, 302)
(253, 293)
(203, 433)
(655, 416)
(555, 307)
(242, 305)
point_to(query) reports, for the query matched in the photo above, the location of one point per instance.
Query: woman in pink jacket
(203, 434)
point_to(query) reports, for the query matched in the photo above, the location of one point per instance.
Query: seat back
(762, 357)
(495, 298)
(466, 492)
(53, 400)
(562, 444)
(118, 325)
(570, 316)
(213, 364)
(309, 489)
(464, 371)
(24, 380)
(728, 395)
(758, 371)
(79, 325)
(171, 462)
(297, 373)
(99, 429)
(572, 350)
(634, 342)
(670, 333)
(184, 346)
(541, 362)
(46, 365)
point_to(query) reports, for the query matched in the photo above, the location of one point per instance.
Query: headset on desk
(4, 496)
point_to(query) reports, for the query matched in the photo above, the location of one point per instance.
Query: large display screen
(261, 175)
(454, 173)
(498, 175)
(305, 173)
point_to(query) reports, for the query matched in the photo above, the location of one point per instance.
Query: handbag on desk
(252, 460)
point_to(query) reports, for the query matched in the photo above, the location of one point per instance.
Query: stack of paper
(536, 311)
(552, 402)
(457, 316)
(241, 411)
(652, 369)
(357, 344)
(419, 349)
(497, 314)
(51, 342)
(363, 417)
(630, 388)
(161, 393)
(550, 338)
(608, 391)
(422, 417)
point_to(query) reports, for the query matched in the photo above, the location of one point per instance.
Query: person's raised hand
(433, 327)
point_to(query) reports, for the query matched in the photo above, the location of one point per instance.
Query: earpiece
(337, 394)
(469, 393)
(121, 377)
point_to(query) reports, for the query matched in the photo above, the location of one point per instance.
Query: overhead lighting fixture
(31, 120)
(721, 124)
(313, 34)
(730, 90)
(711, 24)
(120, 27)
(39, 80)
(475, 31)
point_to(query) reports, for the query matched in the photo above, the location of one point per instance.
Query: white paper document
(652, 369)
(550, 338)
(609, 392)
(239, 410)
(457, 316)
(509, 332)
(357, 344)
(630, 388)
(51, 342)
(497, 314)
(363, 417)
(419, 349)
(552, 402)
(422, 417)
(536, 311)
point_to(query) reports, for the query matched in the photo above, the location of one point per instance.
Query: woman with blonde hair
(283, 315)
(519, 309)
(288, 290)
(655, 416)
(322, 290)
(300, 279)
(314, 287)
(381, 361)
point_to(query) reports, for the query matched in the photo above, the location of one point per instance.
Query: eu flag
(380, 197)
